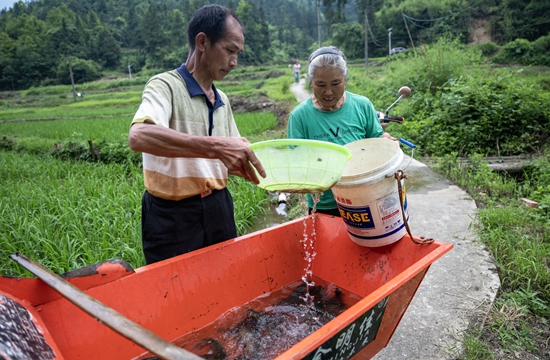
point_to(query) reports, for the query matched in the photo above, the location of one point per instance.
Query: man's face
(221, 57)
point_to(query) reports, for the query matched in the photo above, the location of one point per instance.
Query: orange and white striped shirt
(173, 100)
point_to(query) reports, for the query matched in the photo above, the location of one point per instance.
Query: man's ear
(201, 40)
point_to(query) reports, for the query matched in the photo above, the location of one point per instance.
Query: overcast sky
(6, 3)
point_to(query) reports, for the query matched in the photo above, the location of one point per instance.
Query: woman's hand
(388, 136)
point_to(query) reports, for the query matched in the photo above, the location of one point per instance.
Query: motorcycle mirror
(404, 92)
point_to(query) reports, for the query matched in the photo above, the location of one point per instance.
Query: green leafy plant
(488, 49)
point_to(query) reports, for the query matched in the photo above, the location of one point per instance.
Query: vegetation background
(41, 40)
(479, 75)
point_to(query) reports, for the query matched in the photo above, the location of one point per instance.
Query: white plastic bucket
(367, 193)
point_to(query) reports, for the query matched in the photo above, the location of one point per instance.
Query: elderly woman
(332, 114)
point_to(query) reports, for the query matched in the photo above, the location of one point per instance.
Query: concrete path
(298, 89)
(460, 287)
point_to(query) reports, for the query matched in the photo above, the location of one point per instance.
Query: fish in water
(210, 349)
(321, 299)
(267, 333)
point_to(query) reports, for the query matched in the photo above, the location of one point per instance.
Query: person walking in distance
(296, 68)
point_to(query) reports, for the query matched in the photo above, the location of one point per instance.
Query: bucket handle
(399, 175)
(412, 146)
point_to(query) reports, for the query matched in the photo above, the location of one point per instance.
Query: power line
(444, 17)
(372, 36)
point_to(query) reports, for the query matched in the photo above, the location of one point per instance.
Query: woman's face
(328, 86)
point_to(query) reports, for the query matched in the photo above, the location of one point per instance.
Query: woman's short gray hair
(328, 56)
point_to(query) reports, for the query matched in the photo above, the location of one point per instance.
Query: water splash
(308, 243)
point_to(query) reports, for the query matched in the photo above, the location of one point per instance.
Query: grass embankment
(518, 237)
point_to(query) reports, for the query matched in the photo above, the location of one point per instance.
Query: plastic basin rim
(298, 142)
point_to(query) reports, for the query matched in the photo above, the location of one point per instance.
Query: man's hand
(233, 152)
(239, 159)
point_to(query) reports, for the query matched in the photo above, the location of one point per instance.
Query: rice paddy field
(71, 187)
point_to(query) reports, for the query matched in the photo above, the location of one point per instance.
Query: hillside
(39, 39)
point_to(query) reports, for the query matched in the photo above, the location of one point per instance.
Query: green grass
(64, 112)
(250, 202)
(473, 348)
(518, 238)
(70, 111)
(109, 129)
(68, 214)
(272, 82)
(251, 124)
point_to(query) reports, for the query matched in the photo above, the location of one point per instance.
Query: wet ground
(275, 215)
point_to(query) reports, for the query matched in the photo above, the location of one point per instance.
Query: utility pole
(319, 21)
(407, 26)
(389, 40)
(71, 74)
(366, 40)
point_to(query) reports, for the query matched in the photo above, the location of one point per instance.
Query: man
(190, 143)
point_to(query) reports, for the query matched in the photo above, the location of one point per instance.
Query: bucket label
(389, 209)
(359, 217)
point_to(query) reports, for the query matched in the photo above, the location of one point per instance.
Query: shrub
(83, 71)
(490, 116)
(447, 59)
(521, 51)
(426, 72)
(515, 52)
(541, 51)
(537, 183)
(487, 49)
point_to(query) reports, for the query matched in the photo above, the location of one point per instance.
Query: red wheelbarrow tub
(180, 295)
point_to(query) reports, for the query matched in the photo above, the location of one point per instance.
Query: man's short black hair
(211, 20)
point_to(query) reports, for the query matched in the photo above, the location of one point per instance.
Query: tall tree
(176, 28)
(334, 13)
(349, 38)
(256, 34)
(526, 19)
(152, 33)
(133, 30)
(7, 55)
(107, 50)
